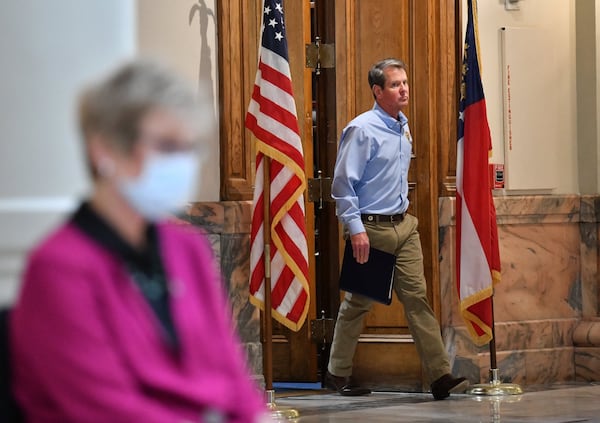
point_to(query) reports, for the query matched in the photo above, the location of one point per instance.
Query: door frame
(438, 53)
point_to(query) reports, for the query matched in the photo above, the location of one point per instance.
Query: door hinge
(321, 330)
(320, 56)
(319, 189)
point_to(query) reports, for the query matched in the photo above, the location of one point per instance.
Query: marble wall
(227, 226)
(546, 305)
(549, 289)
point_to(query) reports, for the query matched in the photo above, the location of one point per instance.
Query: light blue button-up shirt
(371, 169)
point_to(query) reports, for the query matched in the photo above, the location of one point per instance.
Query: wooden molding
(238, 42)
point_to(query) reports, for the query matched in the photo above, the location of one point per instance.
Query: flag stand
(477, 137)
(276, 412)
(495, 387)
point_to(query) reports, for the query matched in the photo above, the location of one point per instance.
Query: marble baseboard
(523, 367)
(254, 356)
(525, 335)
(587, 333)
(528, 353)
(587, 364)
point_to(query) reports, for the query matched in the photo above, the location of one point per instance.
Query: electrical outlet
(511, 4)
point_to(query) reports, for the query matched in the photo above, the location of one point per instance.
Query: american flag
(477, 252)
(272, 119)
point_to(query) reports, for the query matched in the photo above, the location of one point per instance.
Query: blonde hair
(115, 106)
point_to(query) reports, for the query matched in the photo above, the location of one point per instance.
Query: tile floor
(562, 404)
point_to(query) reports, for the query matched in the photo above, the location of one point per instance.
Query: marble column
(227, 226)
(586, 336)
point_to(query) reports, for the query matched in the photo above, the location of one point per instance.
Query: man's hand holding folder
(373, 278)
(360, 247)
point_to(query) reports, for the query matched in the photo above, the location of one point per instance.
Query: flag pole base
(279, 413)
(495, 387)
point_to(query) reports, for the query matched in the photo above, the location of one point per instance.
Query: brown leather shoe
(448, 384)
(344, 386)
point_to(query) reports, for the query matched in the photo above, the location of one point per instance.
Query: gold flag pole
(495, 387)
(276, 412)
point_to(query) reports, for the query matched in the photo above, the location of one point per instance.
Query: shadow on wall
(205, 68)
(205, 82)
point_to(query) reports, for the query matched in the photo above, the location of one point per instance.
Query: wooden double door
(424, 34)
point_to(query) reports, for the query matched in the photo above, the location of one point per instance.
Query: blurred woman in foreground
(121, 316)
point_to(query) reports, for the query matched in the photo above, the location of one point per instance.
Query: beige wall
(558, 16)
(597, 53)
(48, 50)
(164, 30)
(587, 99)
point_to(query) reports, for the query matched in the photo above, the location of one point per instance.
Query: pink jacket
(86, 346)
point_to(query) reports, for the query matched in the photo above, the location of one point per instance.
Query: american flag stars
(272, 16)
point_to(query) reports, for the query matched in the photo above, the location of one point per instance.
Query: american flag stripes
(477, 253)
(272, 119)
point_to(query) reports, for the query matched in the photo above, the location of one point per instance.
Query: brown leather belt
(377, 218)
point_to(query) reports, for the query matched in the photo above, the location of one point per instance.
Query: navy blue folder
(373, 279)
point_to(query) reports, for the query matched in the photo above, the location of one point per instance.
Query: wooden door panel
(391, 319)
(384, 319)
(390, 365)
(381, 30)
(424, 34)
(294, 354)
(418, 32)
(386, 355)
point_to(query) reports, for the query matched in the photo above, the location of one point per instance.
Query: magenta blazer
(87, 347)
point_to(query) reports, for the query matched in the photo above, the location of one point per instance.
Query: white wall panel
(48, 50)
(532, 114)
(558, 18)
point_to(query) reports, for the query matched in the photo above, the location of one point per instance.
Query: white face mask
(166, 182)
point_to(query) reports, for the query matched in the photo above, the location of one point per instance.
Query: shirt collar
(94, 226)
(389, 121)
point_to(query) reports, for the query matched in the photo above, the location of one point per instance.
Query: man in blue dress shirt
(370, 187)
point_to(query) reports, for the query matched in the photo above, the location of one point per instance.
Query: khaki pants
(401, 239)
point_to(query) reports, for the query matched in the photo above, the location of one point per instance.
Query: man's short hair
(376, 75)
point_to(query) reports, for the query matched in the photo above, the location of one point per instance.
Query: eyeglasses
(169, 145)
